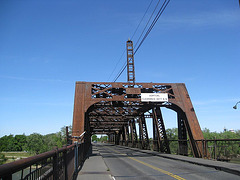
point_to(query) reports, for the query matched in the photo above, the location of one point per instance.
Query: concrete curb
(222, 166)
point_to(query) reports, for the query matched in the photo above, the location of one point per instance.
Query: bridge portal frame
(104, 107)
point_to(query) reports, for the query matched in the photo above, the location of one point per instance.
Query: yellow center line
(151, 166)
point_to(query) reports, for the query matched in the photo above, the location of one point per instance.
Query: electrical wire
(142, 19)
(163, 7)
(148, 22)
(116, 65)
(158, 15)
(121, 71)
(116, 77)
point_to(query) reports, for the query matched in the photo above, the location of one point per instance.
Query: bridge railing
(62, 163)
(221, 149)
(218, 149)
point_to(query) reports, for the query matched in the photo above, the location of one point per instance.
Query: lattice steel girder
(110, 129)
(143, 134)
(130, 62)
(107, 123)
(182, 135)
(101, 98)
(133, 132)
(163, 143)
(126, 132)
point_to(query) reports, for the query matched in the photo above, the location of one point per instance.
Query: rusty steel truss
(114, 108)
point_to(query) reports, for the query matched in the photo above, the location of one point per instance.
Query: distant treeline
(100, 139)
(226, 134)
(34, 143)
(224, 148)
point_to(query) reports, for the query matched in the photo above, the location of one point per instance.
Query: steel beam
(133, 133)
(126, 131)
(143, 134)
(162, 141)
(182, 135)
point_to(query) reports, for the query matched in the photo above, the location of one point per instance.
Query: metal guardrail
(58, 164)
(217, 149)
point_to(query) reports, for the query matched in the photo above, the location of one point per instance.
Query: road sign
(154, 97)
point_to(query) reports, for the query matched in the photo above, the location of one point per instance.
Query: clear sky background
(48, 45)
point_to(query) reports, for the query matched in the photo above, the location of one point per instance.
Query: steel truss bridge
(114, 108)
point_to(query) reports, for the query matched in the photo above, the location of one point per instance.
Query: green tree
(63, 133)
(172, 134)
(54, 140)
(224, 148)
(11, 143)
(103, 139)
(35, 143)
(94, 137)
(20, 140)
(4, 143)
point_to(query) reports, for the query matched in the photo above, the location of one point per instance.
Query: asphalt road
(127, 164)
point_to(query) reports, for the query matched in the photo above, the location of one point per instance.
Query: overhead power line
(120, 72)
(142, 19)
(116, 65)
(161, 10)
(163, 7)
(148, 22)
(131, 38)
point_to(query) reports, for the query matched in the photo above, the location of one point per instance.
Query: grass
(13, 156)
(235, 160)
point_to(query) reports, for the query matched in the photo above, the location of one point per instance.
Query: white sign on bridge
(154, 97)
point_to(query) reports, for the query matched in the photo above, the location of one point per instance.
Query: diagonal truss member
(143, 134)
(159, 132)
(133, 132)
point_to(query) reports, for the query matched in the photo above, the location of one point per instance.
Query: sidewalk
(222, 166)
(94, 168)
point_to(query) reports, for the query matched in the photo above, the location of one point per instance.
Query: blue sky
(48, 45)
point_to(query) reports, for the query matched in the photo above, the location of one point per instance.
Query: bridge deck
(110, 161)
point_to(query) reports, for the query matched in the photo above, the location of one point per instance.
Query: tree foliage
(172, 134)
(103, 139)
(100, 139)
(94, 137)
(222, 135)
(12, 143)
(3, 159)
(37, 143)
(34, 143)
(223, 148)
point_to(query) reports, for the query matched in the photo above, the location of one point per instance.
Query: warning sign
(154, 97)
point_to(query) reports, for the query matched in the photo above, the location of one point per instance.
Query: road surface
(124, 163)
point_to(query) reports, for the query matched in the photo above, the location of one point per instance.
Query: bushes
(3, 159)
